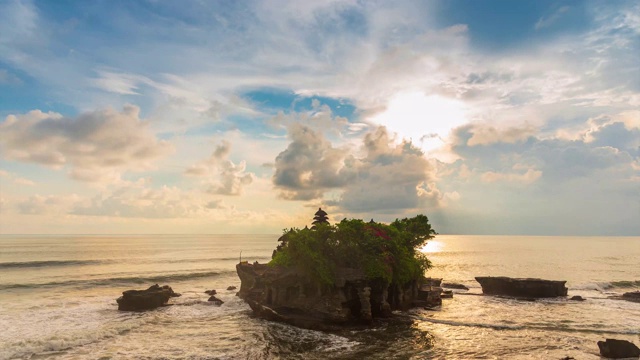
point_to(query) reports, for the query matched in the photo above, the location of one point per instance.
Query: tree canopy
(383, 252)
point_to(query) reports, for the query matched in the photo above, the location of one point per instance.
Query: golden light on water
(432, 246)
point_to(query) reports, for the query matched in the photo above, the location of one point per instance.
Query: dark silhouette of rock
(286, 295)
(618, 349)
(577, 298)
(231, 288)
(527, 288)
(568, 358)
(632, 296)
(151, 298)
(210, 292)
(215, 300)
(449, 285)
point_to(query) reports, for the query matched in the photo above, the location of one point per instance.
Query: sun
(425, 120)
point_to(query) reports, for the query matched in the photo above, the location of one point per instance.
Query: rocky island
(350, 273)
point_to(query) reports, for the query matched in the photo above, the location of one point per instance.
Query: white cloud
(96, 146)
(528, 177)
(388, 177)
(223, 176)
(547, 21)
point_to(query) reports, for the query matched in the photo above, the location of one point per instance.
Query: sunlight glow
(432, 246)
(425, 120)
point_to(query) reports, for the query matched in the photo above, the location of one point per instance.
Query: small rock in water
(618, 349)
(568, 358)
(449, 285)
(210, 292)
(577, 298)
(231, 288)
(215, 300)
(151, 298)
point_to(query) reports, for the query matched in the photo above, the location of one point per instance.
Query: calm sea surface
(57, 300)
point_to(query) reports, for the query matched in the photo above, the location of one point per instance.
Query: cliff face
(282, 294)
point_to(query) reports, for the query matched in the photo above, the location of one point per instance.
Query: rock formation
(618, 349)
(140, 300)
(215, 300)
(528, 288)
(631, 296)
(449, 285)
(285, 295)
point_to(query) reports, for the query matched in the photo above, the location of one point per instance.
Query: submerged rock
(618, 349)
(231, 288)
(285, 295)
(577, 298)
(449, 285)
(528, 288)
(210, 292)
(140, 300)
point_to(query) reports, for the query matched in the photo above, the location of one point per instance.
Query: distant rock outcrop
(140, 300)
(618, 349)
(631, 296)
(527, 288)
(450, 285)
(285, 295)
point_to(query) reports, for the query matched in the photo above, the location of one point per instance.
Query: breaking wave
(49, 263)
(120, 280)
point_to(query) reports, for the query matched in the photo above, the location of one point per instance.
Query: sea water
(57, 300)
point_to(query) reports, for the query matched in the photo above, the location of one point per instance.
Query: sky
(490, 117)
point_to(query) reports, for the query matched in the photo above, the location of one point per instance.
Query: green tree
(389, 253)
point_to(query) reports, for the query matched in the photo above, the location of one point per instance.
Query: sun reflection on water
(432, 246)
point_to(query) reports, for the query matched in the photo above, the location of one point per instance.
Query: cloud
(95, 146)
(49, 204)
(388, 177)
(9, 78)
(310, 165)
(484, 135)
(224, 176)
(528, 177)
(544, 185)
(547, 21)
(140, 201)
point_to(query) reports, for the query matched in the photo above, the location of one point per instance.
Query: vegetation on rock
(388, 253)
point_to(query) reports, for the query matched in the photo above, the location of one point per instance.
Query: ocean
(57, 300)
